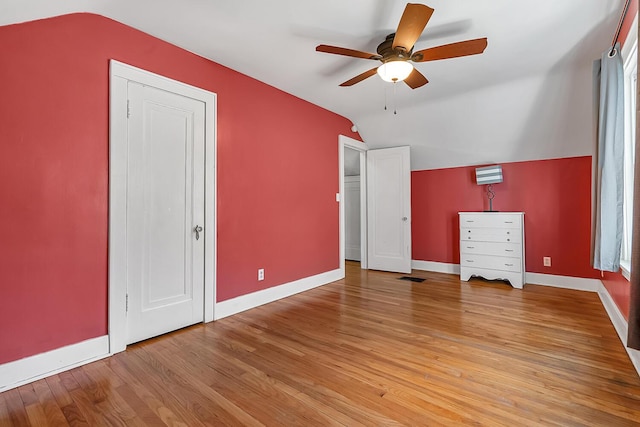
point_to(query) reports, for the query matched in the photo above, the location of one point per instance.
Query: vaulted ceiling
(527, 97)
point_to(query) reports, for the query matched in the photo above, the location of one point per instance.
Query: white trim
(32, 368)
(346, 142)
(437, 267)
(619, 323)
(565, 282)
(625, 269)
(265, 296)
(120, 75)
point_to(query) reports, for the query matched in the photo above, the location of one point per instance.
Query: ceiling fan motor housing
(388, 53)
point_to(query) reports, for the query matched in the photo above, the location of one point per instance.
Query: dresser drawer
(512, 235)
(491, 220)
(491, 248)
(491, 262)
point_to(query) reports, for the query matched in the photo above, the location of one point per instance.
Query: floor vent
(412, 279)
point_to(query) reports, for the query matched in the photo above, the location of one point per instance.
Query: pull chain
(385, 98)
(395, 111)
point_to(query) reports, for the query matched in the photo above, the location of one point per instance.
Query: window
(630, 89)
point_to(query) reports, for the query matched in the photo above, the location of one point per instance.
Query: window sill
(625, 269)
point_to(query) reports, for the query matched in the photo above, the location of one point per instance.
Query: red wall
(554, 194)
(277, 177)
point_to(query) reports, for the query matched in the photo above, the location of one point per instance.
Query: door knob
(198, 230)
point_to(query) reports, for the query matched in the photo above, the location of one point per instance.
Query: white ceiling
(527, 97)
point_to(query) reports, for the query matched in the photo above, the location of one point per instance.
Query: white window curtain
(610, 181)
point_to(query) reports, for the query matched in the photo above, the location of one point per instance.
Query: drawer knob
(469, 260)
(508, 240)
(508, 250)
(469, 237)
(508, 232)
(509, 265)
(508, 222)
(471, 247)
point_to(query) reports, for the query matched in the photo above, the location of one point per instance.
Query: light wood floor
(370, 350)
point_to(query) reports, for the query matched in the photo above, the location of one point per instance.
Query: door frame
(346, 142)
(119, 76)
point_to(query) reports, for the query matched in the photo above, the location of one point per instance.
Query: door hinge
(126, 308)
(128, 109)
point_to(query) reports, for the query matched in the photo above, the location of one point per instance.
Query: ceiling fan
(396, 51)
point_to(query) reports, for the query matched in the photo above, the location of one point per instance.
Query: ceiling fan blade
(453, 50)
(416, 79)
(412, 23)
(360, 77)
(346, 52)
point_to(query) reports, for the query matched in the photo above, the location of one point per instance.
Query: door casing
(120, 75)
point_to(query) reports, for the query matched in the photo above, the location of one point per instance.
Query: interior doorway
(353, 201)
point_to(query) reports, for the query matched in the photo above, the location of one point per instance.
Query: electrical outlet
(261, 274)
(546, 261)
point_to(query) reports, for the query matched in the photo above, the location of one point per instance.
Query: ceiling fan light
(395, 71)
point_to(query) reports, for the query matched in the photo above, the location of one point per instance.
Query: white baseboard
(614, 313)
(265, 296)
(619, 323)
(437, 267)
(566, 282)
(32, 368)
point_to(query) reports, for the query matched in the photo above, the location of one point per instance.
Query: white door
(352, 217)
(389, 209)
(165, 207)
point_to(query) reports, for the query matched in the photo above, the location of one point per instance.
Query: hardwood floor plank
(53, 413)
(113, 406)
(83, 407)
(182, 390)
(146, 415)
(15, 408)
(196, 378)
(178, 404)
(5, 420)
(70, 410)
(158, 399)
(58, 390)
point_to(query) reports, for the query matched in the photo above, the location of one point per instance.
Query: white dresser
(492, 246)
